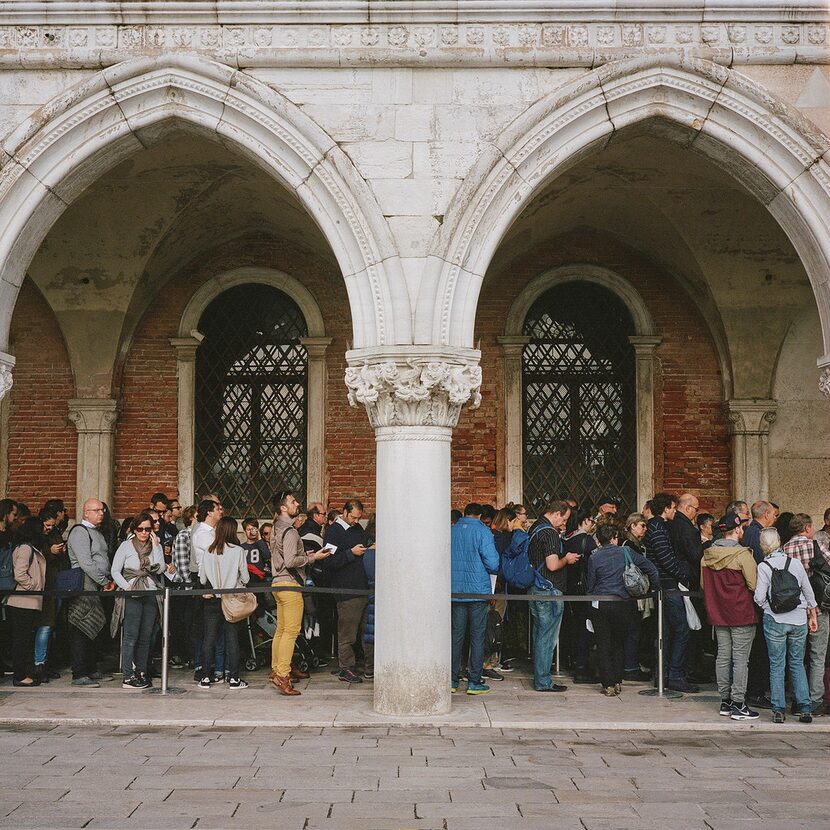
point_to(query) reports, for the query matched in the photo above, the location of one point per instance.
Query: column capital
(512, 344)
(824, 377)
(316, 346)
(7, 362)
(95, 415)
(751, 416)
(420, 386)
(186, 346)
(644, 344)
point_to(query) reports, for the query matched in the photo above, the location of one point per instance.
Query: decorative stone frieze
(417, 392)
(84, 43)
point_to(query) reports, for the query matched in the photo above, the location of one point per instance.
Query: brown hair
(225, 535)
(503, 518)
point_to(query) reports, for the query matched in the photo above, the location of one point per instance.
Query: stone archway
(774, 152)
(69, 142)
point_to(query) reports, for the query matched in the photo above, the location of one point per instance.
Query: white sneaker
(204, 683)
(236, 683)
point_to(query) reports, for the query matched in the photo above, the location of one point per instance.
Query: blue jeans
(140, 614)
(474, 615)
(785, 645)
(221, 661)
(676, 634)
(42, 636)
(547, 619)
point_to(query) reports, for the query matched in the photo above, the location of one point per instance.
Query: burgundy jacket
(728, 577)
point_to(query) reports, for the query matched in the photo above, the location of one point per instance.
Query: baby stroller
(265, 621)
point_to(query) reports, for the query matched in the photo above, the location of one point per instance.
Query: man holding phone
(347, 540)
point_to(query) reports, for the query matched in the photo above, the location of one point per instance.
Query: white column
(6, 365)
(316, 418)
(413, 397)
(644, 348)
(186, 374)
(750, 420)
(94, 418)
(512, 348)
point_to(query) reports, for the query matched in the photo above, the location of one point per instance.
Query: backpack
(784, 590)
(7, 582)
(515, 563)
(820, 578)
(634, 580)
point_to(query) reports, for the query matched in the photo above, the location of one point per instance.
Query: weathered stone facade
(413, 175)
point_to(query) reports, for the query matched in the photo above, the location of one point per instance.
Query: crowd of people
(117, 569)
(746, 593)
(749, 589)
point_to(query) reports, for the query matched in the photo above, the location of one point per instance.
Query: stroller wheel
(315, 662)
(250, 664)
(302, 665)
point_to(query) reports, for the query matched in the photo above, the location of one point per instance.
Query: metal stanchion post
(165, 639)
(660, 691)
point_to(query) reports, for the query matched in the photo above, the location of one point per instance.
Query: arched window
(578, 384)
(251, 392)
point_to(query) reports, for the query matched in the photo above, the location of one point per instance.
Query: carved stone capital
(186, 347)
(751, 416)
(645, 345)
(421, 391)
(6, 365)
(824, 382)
(93, 415)
(512, 345)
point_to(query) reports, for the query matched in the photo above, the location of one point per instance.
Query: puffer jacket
(473, 557)
(729, 574)
(369, 567)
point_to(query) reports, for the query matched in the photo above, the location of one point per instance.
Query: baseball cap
(729, 522)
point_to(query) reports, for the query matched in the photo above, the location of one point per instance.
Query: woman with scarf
(136, 559)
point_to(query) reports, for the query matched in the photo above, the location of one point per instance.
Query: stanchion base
(171, 690)
(668, 694)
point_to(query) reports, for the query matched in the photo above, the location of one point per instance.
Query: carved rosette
(824, 382)
(414, 393)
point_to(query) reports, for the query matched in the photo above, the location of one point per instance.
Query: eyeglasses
(143, 529)
(156, 521)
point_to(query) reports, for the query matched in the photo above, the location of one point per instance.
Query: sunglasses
(143, 529)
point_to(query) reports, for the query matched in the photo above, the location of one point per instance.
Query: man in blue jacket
(473, 559)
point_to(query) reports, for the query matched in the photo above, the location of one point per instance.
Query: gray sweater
(777, 559)
(88, 551)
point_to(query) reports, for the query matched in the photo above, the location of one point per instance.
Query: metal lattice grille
(251, 383)
(579, 408)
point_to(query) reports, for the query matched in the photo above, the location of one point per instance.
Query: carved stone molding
(418, 392)
(95, 415)
(751, 416)
(6, 380)
(260, 41)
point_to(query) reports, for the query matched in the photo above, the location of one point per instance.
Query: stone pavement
(326, 702)
(393, 778)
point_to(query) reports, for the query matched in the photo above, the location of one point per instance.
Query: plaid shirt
(181, 555)
(801, 548)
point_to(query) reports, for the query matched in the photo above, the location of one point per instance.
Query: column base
(401, 689)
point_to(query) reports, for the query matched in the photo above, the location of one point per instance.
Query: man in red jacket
(728, 576)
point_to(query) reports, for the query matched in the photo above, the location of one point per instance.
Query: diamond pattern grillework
(578, 392)
(251, 384)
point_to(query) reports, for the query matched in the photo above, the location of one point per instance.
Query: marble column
(644, 348)
(316, 419)
(6, 366)
(512, 346)
(186, 375)
(94, 418)
(749, 422)
(413, 396)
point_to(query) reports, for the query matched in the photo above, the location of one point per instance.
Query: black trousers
(611, 623)
(23, 641)
(82, 653)
(757, 684)
(214, 621)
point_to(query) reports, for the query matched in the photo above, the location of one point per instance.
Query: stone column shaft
(186, 375)
(94, 418)
(644, 348)
(413, 397)
(512, 349)
(316, 408)
(750, 420)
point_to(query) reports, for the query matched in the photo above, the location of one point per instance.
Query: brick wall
(691, 444)
(147, 432)
(42, 443)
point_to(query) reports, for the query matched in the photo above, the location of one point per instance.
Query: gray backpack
(634, 580)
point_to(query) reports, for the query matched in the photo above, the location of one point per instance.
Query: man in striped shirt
(804, 547)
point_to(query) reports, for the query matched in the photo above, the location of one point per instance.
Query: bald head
(763, 513)
(94, 511)
(688, 505)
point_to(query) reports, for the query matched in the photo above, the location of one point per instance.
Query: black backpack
(820, 578)
(784, 590)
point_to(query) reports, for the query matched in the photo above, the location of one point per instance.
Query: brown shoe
(299, 674)
(283, 686)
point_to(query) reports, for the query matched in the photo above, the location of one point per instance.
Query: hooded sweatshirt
(728, 576)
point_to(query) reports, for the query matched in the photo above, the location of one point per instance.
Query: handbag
(634, 580)
(70, 579)
(692, 619)
(237, 607)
